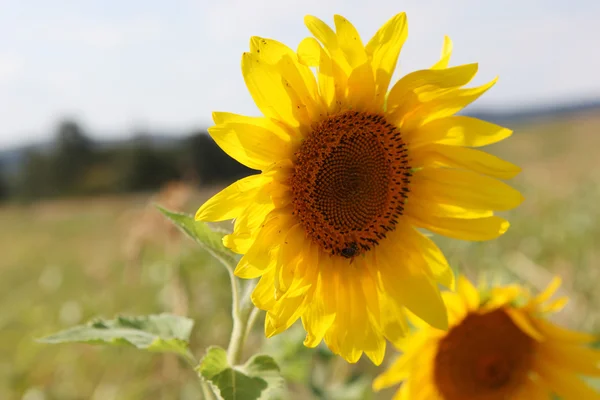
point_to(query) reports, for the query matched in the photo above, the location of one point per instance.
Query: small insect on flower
(350, 250)
(500, 345)
(350, 172)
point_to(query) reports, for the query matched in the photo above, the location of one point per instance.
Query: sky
(119, 67)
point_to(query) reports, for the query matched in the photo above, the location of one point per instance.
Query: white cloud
(10, 68)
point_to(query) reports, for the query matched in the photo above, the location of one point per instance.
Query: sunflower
(349, 172)
(499, 346)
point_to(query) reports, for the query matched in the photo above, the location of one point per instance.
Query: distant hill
(531, 114)
(11, 160)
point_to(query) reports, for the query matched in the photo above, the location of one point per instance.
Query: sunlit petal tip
(310, 19)
(311, 341)
(439, 319)
(386, 379)
(504, 225)
(452, 280)
(217, 117)
(524, 323)
(469, 293)
(271, 329)
(255, 43)
(376, 357)
(549, 291)
(309, 52)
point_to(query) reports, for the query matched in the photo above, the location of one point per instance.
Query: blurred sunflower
(499, 346)
(348, 172)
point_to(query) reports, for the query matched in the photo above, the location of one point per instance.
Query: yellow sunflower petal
(567, 385)
(572, 357)
(319, 316)
(555, 305)
(446, 53)
(442, 155)
(459, 130)
(524, 323)
(397, 372)
(231, 201)
(350, 42)
(376, 343)
(418, 351)
(246, 227)
(384, 49)
(298, 76)
(476, 229)
(434, 208)
(285, 312)
(445, 105)
(533, 390)
(329, 89)
(309, 52)
(406, 99)
(468, 293)
(261, 257)
(263, 295)
(406, 281)
(290, 257)
(457, 307)
(342, 337)
(250, 142)
(328, 38)
(549, 291)
(361, 88)
(502, 296)
(555, 332)
(269, 50)
(264, 82)
(465, 189)
(393, 319)
(436, 263)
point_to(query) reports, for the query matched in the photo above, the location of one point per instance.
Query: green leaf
(157, 333)
(209, 239)
(259, 378)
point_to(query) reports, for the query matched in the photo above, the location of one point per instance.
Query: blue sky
(120, 66)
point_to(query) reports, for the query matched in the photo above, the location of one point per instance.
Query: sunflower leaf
(164, 333)
(259, 378)
(209, 239)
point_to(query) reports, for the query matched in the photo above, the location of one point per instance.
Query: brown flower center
(350, 182)
(486, 357)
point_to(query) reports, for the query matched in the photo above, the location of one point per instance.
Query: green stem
(244, 315)
(206, 390)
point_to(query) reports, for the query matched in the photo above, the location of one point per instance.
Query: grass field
(64, 262)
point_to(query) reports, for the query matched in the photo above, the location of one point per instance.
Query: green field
(65, 262)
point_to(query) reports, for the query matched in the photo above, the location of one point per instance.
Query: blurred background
(104, 107)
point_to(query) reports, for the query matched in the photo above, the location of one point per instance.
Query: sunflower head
(350, 174)
(500, 345)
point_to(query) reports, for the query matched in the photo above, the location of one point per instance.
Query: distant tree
(145, 167)
(73, 154)
(209, 163)
(4, 189)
